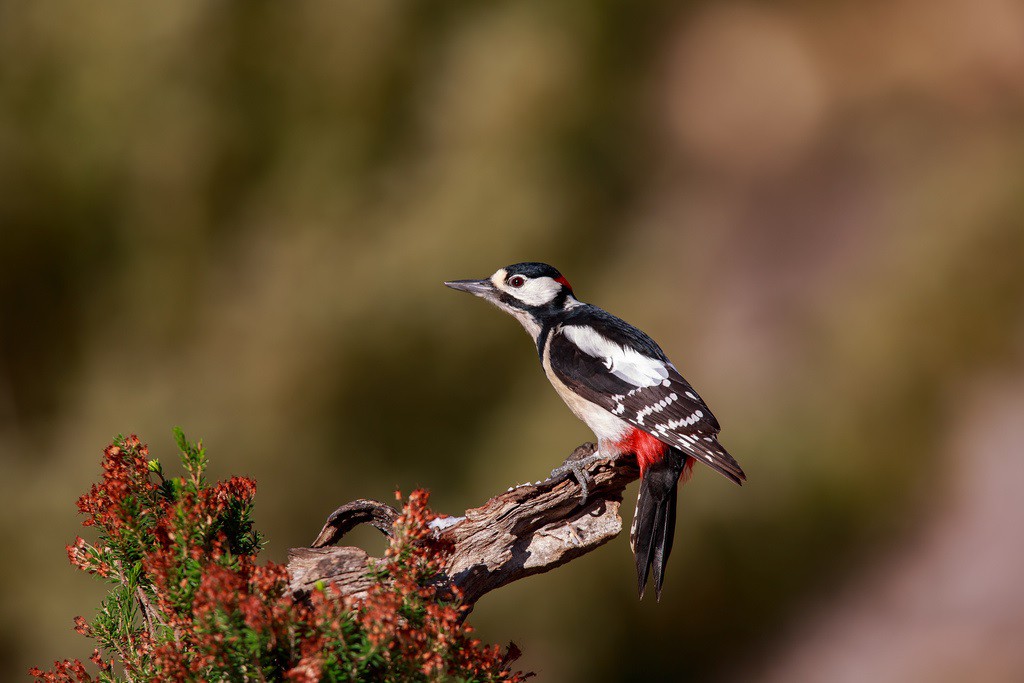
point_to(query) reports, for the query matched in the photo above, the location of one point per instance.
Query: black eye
(516, 281)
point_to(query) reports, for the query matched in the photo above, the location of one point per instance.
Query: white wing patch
(625, 363)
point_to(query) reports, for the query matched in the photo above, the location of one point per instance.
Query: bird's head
(530, 292)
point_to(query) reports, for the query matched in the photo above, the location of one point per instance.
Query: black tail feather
(654, 522)
(664, 532)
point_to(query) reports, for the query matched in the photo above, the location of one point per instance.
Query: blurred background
(235, 217)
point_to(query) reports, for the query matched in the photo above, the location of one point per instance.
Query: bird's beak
(481, 288)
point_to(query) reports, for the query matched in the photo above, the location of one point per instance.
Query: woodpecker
(622, 385)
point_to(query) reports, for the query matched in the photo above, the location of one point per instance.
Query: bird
(618, 381)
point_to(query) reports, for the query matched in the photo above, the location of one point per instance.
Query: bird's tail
(654, 521)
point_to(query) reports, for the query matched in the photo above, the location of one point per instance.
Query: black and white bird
(620, 383)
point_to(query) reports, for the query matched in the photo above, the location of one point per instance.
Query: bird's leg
(577, 463)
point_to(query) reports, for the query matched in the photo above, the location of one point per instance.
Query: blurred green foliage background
(235, 217)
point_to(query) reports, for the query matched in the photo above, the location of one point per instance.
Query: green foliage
(189, 602)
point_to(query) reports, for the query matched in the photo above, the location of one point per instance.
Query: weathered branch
(350, 515)
(530, 529)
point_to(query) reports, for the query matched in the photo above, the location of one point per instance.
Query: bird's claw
(578, 468)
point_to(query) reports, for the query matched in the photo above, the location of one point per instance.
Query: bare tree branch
(350, 515)
(530, 529)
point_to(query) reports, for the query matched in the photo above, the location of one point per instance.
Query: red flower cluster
(71, 670)
(125, 475)
(229, 605)
(416, 618)
(191, 603)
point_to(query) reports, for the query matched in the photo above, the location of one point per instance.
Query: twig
(351, 515)
(147, 610)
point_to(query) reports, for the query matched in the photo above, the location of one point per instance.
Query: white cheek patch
(537, 292)
(625, 363)
(534, 292)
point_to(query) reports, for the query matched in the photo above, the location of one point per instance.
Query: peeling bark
(531, 529)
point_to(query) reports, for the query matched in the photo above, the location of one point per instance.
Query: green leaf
(179, 438)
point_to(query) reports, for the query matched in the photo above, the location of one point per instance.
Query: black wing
(662, 403)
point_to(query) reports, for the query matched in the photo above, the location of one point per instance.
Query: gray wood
(529, 530)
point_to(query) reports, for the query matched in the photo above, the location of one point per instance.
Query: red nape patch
(561, 279)
(648, 449)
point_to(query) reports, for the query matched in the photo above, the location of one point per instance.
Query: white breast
(606, 427)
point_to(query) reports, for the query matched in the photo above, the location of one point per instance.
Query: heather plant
(188, 600)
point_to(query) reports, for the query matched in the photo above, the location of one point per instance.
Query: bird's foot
(577, 464)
